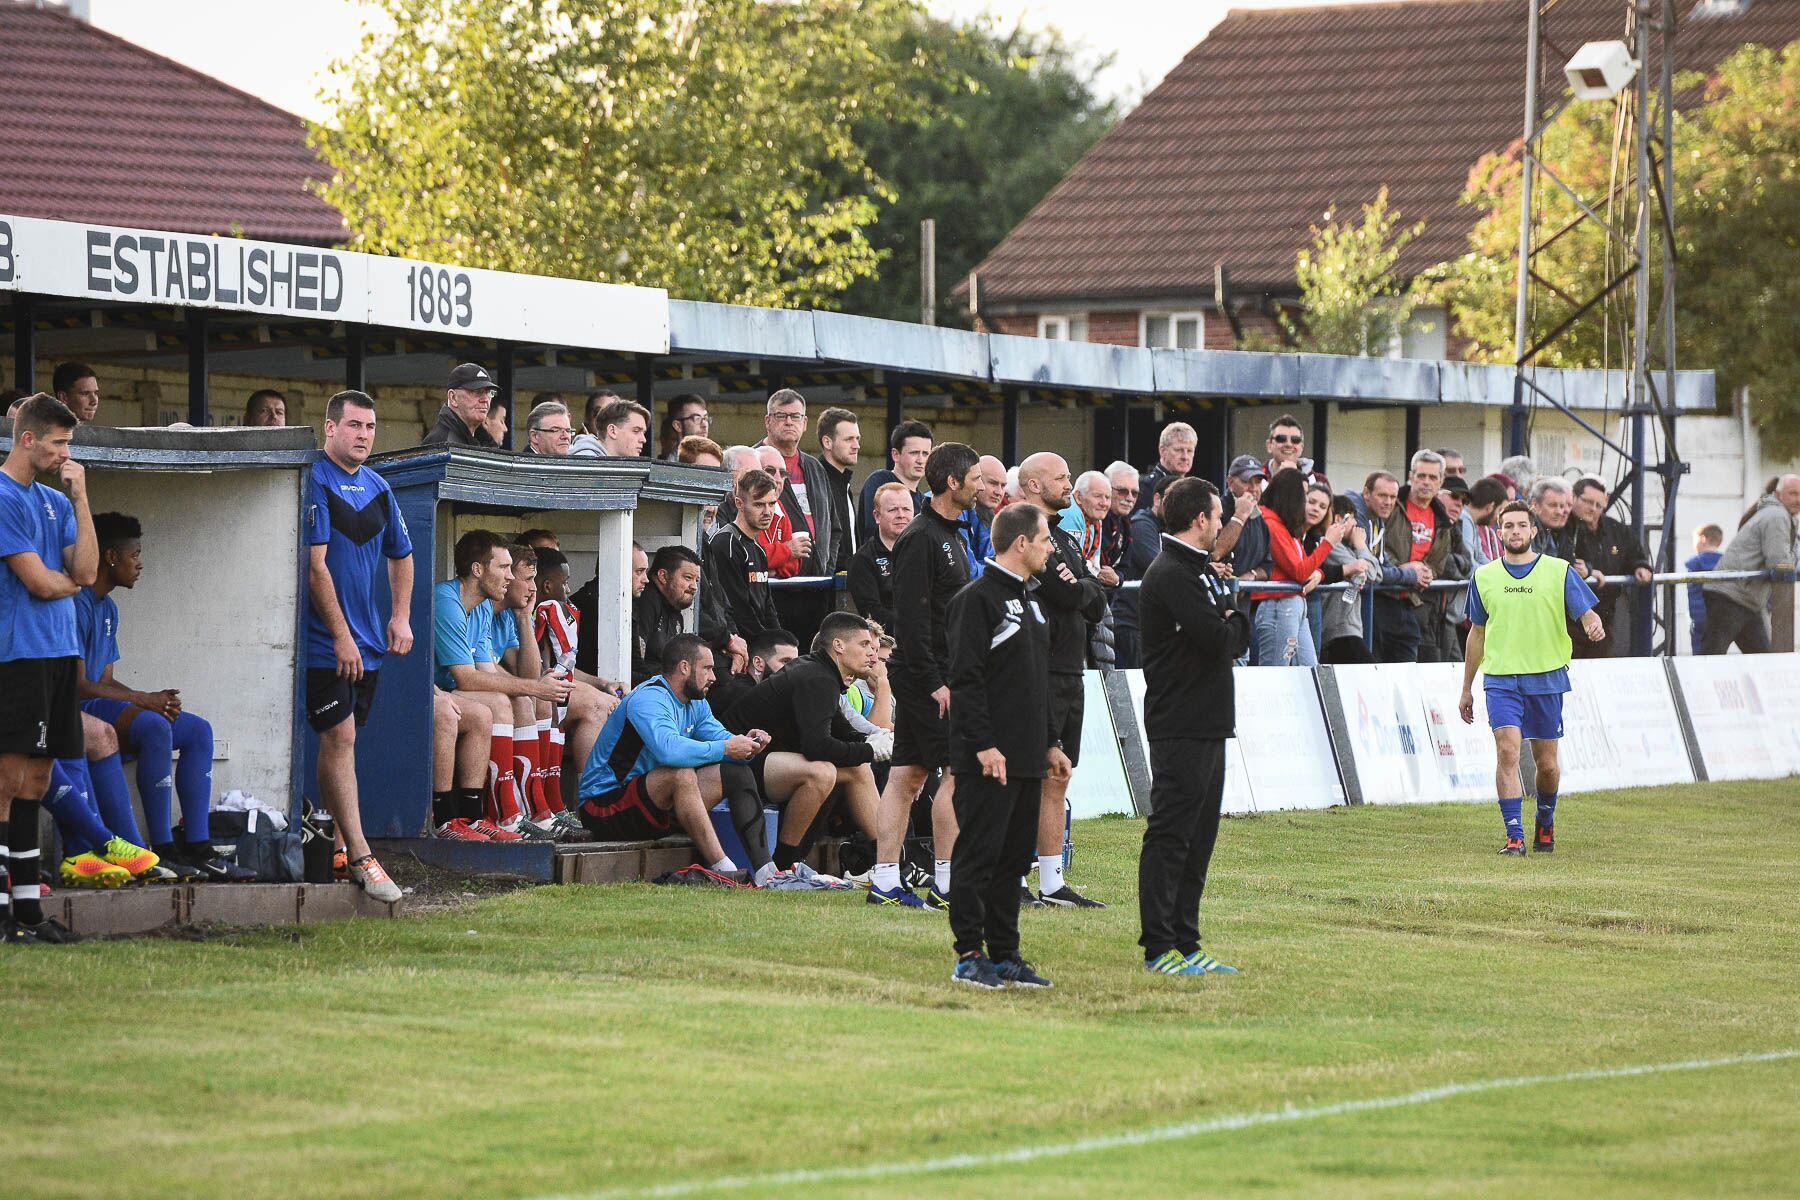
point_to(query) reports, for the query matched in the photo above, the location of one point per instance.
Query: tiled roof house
(94, 128)
(1276, 117)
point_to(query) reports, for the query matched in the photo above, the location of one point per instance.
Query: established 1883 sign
(109, 264)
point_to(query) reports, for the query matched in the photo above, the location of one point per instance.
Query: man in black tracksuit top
(1001, 747)
(1070, 598)
(813, 749)
(1191, 637)
(931, 564)
(736, 569)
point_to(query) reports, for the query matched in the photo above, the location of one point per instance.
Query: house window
(1425, 335)
(1180, 331)
(1063, 328)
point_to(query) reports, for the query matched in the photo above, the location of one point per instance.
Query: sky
(279, 54)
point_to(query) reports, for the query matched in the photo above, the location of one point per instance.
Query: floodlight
(1601, 70)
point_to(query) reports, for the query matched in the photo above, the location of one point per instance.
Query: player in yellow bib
(1520, 606)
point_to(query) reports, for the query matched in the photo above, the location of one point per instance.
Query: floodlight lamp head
(1601, 70)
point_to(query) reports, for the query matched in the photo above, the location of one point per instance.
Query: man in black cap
(466, 403)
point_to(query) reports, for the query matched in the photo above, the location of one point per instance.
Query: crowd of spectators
(776, 692)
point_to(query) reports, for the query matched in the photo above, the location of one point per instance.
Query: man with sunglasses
(1284, 448)
(549, 429)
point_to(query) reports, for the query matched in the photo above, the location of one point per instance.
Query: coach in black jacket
(1191, 637)
(1001, 746)
(1072, 601)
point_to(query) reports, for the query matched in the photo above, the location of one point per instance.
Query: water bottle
(317, 835)
(1068, 829)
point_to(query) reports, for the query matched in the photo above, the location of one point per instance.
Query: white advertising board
(1620, 727)
(1742, 707)
(1238, 796)
(1099, 785)
(108, 263)
(1406, 738)
(1285, 745)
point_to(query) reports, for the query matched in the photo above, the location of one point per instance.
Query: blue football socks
(1546, 809)
(1512, 812)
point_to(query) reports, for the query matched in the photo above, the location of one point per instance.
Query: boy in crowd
(737, 569)
(153, 726)
(47, 546)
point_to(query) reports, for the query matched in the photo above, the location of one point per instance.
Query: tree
(1737, 238)
(1351, 300)
(1008, 117)
(703, 146)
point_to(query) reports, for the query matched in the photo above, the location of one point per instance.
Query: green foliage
(704, 146)
(1737, 232)
(1009, 115)
(1352, 300)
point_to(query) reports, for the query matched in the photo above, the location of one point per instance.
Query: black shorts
(331, 698)
(40, 710)
(1067, 699)
(627, 815)
(921, 737)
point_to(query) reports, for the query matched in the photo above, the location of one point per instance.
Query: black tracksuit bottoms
(995, 841)
(1186, 790)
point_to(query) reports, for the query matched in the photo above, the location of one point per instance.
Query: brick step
(144, 909)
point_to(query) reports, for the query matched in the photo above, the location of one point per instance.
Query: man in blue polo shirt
(353, 524)
(47, 545)
(1520, 606)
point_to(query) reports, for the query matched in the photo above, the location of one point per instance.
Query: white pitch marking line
(1160, 1133)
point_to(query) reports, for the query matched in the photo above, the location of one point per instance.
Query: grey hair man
(1765, 541)
(1174, 456)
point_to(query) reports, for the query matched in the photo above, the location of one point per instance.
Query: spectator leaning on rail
(1735, 608)
(736, 569)
(1174, 457)
(1707, 540)
(1604, 546)
(1341, 615)
(909, 446)
(1395, 637)
(461, 422)
(1283, 637)
(1480, 512)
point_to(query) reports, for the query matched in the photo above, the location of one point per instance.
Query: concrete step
(144, 909)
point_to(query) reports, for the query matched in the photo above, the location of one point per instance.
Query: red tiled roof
(1281, 114)
(94, 128)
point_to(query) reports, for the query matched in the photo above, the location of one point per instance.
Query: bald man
(1071, 598)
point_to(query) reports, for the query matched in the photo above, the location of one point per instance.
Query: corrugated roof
(94, 128)
(1281, 114)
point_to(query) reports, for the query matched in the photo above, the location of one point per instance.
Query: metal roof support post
(645, 374)
(505, 374)
(1122, 427)
(1321, 432)
(199, 396)
(24, 342)
(356, 376)
(1213, 454)
(1515, 419)
(896, 408)
(1412, 434)
(1009, 424)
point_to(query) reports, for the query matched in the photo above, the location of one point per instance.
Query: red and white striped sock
(505, 801)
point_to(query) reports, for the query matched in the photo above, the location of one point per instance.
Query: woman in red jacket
(1283, 637)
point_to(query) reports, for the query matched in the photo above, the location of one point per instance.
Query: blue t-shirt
(355, 517)
(460, 637)
(39, 520)
(1578, 597)
(504, 634)
(97, 625)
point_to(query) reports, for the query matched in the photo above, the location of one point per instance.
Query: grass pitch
(584, 1040)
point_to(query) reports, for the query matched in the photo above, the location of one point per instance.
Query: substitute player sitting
(658, 758)
(1520, 606)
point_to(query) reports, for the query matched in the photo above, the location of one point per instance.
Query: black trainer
(1027, 899)
(14, 934)
(51, 932)
(1067, 897)
(976, 971)
(216, 868)
(1019, 973)
(1544, 841)
(175, 860)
